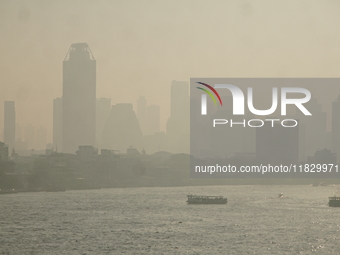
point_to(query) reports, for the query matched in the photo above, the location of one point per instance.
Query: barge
(334, 201)
(194, 199)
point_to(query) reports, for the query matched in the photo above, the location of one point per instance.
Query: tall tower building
(122, 129)
(153, 119)
(79, 98)
(20, 144)
(179, 99)
(9, 125)
(57, 123)
(314, 128)
(19, 139)
(141, 114)
(336, 127)
(103, 109)
(178, 125)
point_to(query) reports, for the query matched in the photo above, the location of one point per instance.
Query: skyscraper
(153, 119)
(57, 123)
(79, 98)
(177, 127)
(314, 128)
(141, 114)
(103, 109)
(19, 139)
(9, 125)
(122, 129)
(179, 99)
(336, 127)
(3, 152)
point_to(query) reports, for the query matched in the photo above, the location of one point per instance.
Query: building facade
(79, 98)
(9, 125)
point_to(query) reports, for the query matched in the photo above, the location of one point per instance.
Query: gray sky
(141, 46)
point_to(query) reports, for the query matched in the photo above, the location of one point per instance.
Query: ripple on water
(158, 221)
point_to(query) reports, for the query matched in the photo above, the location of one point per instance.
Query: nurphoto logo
(238, 99)
(264, 127)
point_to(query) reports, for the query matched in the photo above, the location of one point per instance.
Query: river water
(158, 221)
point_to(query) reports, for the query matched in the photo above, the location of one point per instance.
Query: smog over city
(151, 127)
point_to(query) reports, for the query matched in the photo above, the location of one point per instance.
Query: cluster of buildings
(95, 143)
(81, 119)
(92, 136)
(22, 139)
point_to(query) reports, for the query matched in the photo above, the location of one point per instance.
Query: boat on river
(334, 201)
(195, 199)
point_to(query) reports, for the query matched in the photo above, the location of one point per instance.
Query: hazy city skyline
(124, 113)
(140, 48)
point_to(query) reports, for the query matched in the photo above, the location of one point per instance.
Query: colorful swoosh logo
(209, 93)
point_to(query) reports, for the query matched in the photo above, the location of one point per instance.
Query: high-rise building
(20, 145)
(79, 98)
(103, 109)
(179, 99)
(122, 129)
(9, 125)
(314, 128)
(336, 127)
(3, 152)
(57, 123)
(177, 127)
(153, 119)
(141, 114)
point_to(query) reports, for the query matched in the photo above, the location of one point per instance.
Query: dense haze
(129, 188)
(141, 46)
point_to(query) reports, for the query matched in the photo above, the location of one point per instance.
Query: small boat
(194, 199)
(334, 201)
(280, 195)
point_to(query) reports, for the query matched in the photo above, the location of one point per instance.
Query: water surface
(158, 221)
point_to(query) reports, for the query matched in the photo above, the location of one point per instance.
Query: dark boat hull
(208, 200)
(221, 202)
(334, 202)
